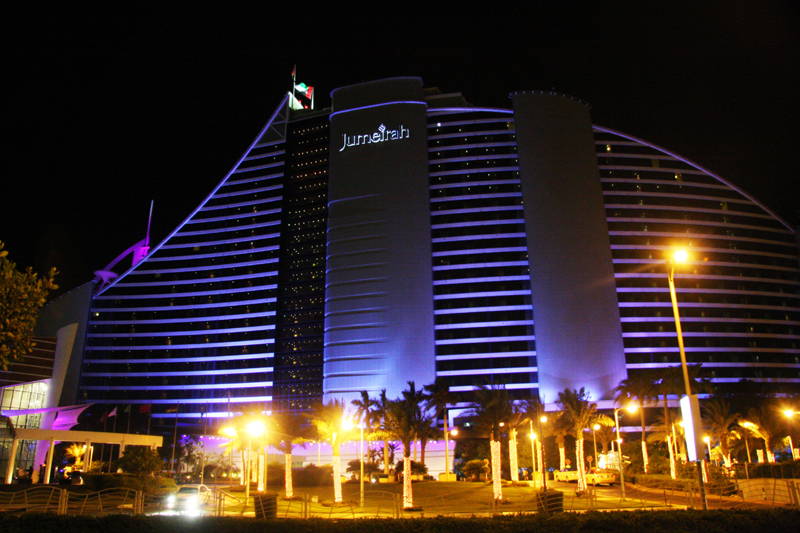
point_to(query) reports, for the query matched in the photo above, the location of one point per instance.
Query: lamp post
(230, 433)
(254, 429)
(533, 455)
(789, 414)
(347, 425)
(631, 408)
(446, 447)
(542, 419)
(680, 256)
(707, 440)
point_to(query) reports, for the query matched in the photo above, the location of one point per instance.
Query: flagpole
(103, 449)
(149, 417)
(130, 412)
(111, 450)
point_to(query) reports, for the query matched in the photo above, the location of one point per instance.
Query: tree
(581, 414)
(762, 423)
(669, 381)
(639, 388)
(492, 410)
(76, 451)
(438, 397)
(292, 432)
(22, 294)
(382, 430)
(516, 419)
(366, 413)
(403, 417)
(141, 461)
(328, 418)
(720, 421)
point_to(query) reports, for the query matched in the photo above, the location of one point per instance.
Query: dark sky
(109, 105)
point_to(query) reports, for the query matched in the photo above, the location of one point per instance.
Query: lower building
(405, 234)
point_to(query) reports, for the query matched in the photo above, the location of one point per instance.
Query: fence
(462, 499)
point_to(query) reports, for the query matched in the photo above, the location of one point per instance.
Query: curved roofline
(207, 198)
(434, 110)
(698, 167)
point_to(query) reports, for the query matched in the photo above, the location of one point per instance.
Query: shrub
(416, 468)
(148, 484)
(473, 469)
(313, 476)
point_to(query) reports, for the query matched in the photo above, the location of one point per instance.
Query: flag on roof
(144, 409)
(127, 409)
(112, 413)
(173, 409)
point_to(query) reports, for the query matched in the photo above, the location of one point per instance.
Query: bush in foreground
(772, 521)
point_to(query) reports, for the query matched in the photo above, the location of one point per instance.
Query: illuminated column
(288, 475)
(573, 289)
(496, 469)
(379, 284)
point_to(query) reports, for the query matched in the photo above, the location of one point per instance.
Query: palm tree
(328, 418)
(235, 433)
(382, 430)
(438, 398)
(719, 419)
(534, 411)
(561, 428)
(492, 409)
(76, 451)
(670, 435)
(366, 414)
(639, 388)
(516, 419)
(426, 430)
(762, 423)
(403, 417)
(581, 414)
(292, 432)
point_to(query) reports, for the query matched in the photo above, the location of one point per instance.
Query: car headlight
(191, 502)
(170, 500)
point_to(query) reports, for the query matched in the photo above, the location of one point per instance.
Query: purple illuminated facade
(336, 257)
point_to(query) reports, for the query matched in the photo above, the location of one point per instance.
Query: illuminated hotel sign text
(382, 135)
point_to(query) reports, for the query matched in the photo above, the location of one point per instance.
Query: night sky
(110, 105)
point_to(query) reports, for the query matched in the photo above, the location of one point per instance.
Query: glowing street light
(230, 434)
(690, 406)
(347, 425)
(631, 408)
(594, 440)
(255, 429)
(789, 414)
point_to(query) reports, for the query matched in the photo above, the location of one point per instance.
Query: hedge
(716, 521)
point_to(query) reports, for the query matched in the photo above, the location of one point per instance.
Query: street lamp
(348, 424)
(230, 434)
(255, 429)
(631, 408)
(692, 407)
(542, 420)
(533, 455)
(789, 414)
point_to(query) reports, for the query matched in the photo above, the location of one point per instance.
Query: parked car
(190, 499)
(595, 476)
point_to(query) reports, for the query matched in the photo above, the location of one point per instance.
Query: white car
(190, 499)
(595, 476)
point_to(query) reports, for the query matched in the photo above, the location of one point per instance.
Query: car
(190, 499)
(595, 476)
